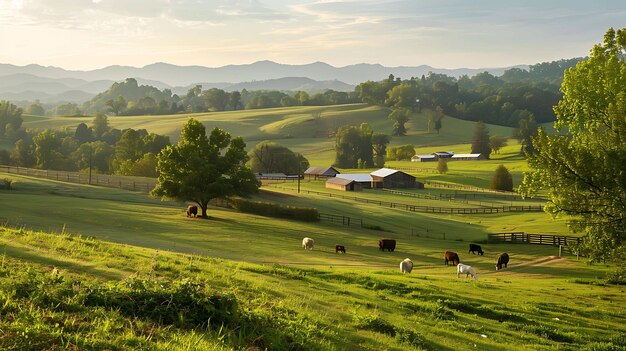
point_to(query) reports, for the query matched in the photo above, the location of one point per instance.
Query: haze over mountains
(54, 84)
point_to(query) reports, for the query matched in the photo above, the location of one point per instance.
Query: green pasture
(538, 302)
(305, 129)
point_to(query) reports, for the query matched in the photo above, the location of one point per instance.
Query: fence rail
(425, 209)
(121, 182)
(566, 242)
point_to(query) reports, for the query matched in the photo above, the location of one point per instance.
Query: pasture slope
(305, 129)
(118, 270)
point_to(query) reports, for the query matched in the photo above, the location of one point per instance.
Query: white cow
(467, 270)
(307, 243)
(406, 266)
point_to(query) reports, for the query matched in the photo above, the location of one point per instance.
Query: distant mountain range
(53, 84)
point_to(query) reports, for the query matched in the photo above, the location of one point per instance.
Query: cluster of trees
(516, 95)
(128, 98)
(583, 168)
(104, 149)
(270, 157)
(359, 147)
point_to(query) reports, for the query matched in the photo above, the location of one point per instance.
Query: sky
(91, 34)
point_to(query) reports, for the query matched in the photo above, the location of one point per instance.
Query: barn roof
(384, 172)
(339, 181)
(423, 156)
(320, 170)
(359, 177)
(465, 155)
(443, 153)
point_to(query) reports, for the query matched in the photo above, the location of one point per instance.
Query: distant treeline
(503, 100)
(506, 100)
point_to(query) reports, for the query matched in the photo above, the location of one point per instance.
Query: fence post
(560, 250)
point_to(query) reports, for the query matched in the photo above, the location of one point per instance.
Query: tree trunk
(203, 206)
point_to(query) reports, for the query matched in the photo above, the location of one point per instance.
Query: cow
(387, 244)
(307, 243)
(477, 248)
(467, 270)
(503, 259)
(192, 210)
(450, 256)
(340, 248)
(406, 266)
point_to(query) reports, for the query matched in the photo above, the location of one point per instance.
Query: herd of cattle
(406, 266)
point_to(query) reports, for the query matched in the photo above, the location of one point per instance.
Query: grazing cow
(307, 243)
(192, 210)
(340, 248)
(467, 270)
(387, 244)
(450, 256)
(503, 259)
(474, 247)
(406, 266)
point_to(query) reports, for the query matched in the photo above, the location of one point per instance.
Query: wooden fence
(426, 209)
(122, 182)
(566, 242)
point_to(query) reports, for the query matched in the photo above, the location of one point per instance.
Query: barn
(392, 178)
(343, 184)
(468, 157)
(423, 158)
(443, 154)
(320, 172)
(365, 180)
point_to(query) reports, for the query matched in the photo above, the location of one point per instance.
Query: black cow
(340, 248)
(192, 210)
(450, 256)
(503, 259)
(387, 244)
(474, 247)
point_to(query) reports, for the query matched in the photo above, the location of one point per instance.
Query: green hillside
(243, 282)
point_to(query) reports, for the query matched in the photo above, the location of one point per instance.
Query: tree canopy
(582, 170)
(270, 157)
(353, 146)
(200, 168)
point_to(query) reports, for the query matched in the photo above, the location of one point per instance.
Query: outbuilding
(320, 172)
(424, 158)
(343, 184)
(468, 157)
(392, 178)
(365, 180)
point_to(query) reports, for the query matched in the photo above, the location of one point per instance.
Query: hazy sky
(88, 34)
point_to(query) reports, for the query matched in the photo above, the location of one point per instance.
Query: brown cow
(453, 257)
(387, 244)
(192, 210)
(503, 259)
(340, 248)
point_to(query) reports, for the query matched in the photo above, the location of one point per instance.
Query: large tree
(582, 169)
(10, 117)
(353, 146)
(200, 168)
(399, 117)
(480, 141)
(270, 157)
(379, 144)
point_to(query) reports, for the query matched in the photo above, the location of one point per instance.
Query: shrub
(276, 210)
(442, 166)
(502, 179)
(6, 184)
(617, 277)
(375, 323)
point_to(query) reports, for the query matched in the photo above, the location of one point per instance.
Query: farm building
(392, 178)
(443, 154)
(320, 172)
(468, 157)
(365, 180)
(423, 158)
(343, 184)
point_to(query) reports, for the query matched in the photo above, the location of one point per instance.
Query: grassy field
(89, 268)
(68, 291)
(295, 127)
